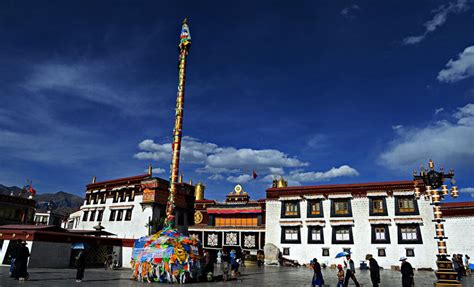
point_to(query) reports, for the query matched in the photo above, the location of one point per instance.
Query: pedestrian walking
(260, 258)
(225, 266)
(80, 265)
(318, 279)
(15, 245)
(457, 266)
(340, 276)
(467, 264)
(21, 262)
(374, 270)
(461, 265)
(208, 266)
(350, 272)
(407, 273)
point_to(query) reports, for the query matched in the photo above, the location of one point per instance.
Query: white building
(383, 219)
(48, 218)
(131, 207)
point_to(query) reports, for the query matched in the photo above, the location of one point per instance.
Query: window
(236, 220)
(410, 252)
(315, 234)
(406, 205)
(381, 252)
(102, 198)
(290, 235)
(325, 251)
(100, 214)
(409, 233)
(88, 199)
(286, 251)
(128, 215)
(112, 215)
(380, 234)
(290, 209)
(315, 208)
(84, 217)
(120, 215)
(116, 197)
(341, 208)
(95, 197)
(132, 196)
(378, 206)
(92, 218)
(123, 196)
(342, 234)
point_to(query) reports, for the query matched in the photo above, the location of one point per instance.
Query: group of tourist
(19, 260)
(461, 266)
(343, 277)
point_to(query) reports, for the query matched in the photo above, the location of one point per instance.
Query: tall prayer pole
(184, 45)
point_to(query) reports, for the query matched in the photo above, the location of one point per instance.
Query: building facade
(16, 210)
(48, 218)
(459, 227)
(383, 219)
(237, 223)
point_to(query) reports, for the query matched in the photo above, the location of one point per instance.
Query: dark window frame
(284, 240)
(334, 231)
(103, 198)
(283, 208)
(315, 201)
(321, 231)
(325, 252)
(85, 215)
(387, 234)
(415, 204)
(92, 215)
(410, 252)
(333, 207)
(286, 251)
(119, 215)
(371, 206)
(113, 215)
(128, 215)
(381, 252)
(100, 215)
(418, 240)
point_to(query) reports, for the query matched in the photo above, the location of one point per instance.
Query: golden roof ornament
(282, 182)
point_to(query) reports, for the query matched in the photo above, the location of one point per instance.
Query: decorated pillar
(184, 45)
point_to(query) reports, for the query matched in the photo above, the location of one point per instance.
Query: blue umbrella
(80, 245)
(342, 254)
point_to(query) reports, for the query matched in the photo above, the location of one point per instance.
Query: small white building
(383, 219)
(131, 207)
(48, 218)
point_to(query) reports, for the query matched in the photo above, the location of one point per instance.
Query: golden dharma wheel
(198, 217)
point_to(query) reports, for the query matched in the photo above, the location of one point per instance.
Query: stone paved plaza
(252, 276)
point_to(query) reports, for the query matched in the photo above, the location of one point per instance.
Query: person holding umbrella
(374, 270)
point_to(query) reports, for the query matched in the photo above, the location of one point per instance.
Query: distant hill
(62, 202)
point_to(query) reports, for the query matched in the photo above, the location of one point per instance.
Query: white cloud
(396, 127)
(240, 179)
(236, 165)
(216, 177)
(459, 69)
(349, 11)
(449, 143)
(439, 18)
(437, 111)
(469, 190)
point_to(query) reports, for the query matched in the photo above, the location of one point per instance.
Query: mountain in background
(61, 202)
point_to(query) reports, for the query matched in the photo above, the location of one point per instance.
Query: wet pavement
(251, 276)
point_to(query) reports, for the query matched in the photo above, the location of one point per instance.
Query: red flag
(254, 174)
(32, 190)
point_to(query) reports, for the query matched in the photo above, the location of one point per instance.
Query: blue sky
(317, 91)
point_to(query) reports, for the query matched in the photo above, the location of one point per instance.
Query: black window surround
(309, 209)
(113, 212)
(325, 251)
(100, 214)
(312, 229)
(128, 215)
(397, 206)
(333, 208)
(283, 209)
(418, 239)
(294, 241)
(374, 235)
(410, 252)
(335, 229)
(85, 215)
(381, 252)
(371, 206)
(286, 251)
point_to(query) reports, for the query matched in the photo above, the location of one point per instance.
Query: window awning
(380, 221)
(342, 195)
(314, 196)
(289, 198)
(342, 222)
(291, 223)
(315, 222)
(128, 206)
(404, 192)
(376, 193)
(411, 220)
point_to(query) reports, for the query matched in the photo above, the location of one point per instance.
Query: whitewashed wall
(425, 254)
(460, 233)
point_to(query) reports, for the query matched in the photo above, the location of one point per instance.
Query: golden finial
(150, 170)
(199, 191)
(431, 164)
(181, 178)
